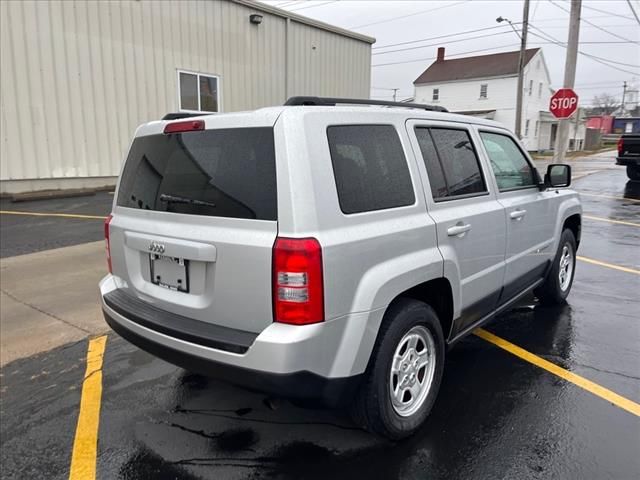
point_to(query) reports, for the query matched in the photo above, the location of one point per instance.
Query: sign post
(563, 103)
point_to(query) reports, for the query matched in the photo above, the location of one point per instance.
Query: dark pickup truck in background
(629, 154)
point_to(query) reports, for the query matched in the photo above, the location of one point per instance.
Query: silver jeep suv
(329, 251)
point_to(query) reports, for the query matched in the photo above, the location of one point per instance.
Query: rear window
(370, 168)
(222, 173)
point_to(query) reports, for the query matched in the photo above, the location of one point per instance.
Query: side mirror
(558, 175)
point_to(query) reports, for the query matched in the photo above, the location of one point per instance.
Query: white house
(486, 86)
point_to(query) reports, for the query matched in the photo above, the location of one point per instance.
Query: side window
(369, 167)
(436, 94)
(459, 161)
(510, 167)
(483, 90)
(431, 163)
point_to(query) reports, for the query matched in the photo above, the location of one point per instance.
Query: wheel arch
(438, 294)
(574, 223)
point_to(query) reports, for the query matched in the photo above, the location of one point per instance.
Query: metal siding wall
(77, 78)
(338, 66)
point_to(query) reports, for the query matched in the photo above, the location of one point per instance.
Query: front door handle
(458, 230)
(517, 214)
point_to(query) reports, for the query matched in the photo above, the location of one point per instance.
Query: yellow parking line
(591, 387)
(85, 445)
(608, 265)
(610, 220)
(63, 215)
(608, 196)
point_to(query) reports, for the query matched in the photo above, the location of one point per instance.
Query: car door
(530, 220)
(469, 220)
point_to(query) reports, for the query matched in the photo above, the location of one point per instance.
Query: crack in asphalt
(567, 363)
(44, 312)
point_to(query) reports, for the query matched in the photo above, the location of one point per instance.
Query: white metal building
(76, 77)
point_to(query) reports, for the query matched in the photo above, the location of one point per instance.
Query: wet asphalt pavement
(21, 234)
(496, 416)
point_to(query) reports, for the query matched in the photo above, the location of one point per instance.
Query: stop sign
(563, 103)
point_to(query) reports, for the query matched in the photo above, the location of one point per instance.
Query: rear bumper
(318, 363)
(628, 160)
(334, 392)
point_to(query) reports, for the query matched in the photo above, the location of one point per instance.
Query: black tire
(551, 291)
(633, 172)
(372, 408)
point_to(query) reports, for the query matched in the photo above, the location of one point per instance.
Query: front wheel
(557, 285)
(633, 172)
(404, 373)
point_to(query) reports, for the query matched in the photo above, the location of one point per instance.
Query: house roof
(493, 65)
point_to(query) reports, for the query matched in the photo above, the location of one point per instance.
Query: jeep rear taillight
(107, 221)
(620, 146)
(298, 291)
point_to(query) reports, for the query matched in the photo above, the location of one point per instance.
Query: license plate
(169, 272)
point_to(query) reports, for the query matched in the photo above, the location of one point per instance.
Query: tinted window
(459, 161)
(223, 173)
(432, 164)
(370, 168)
(509, 165)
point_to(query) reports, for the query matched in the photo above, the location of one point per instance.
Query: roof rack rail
(332, 102)
(178, 115)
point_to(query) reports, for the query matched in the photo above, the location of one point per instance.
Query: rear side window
(370, 168)
(222, 173)
(459, 162)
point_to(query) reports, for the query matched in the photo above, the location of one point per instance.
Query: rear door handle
(458, 230)
(517, 214)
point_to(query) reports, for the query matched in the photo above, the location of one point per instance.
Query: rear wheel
(557, 285)
(404, 373)
(633, 172)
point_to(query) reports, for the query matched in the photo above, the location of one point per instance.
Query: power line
(410, 14)
(592, 57)
(633, 10)
(441, 36)
(312, 6)
(609, 14)
(452, 55)
(286, 4)
(558, 42)
(449, 41)
(594, 25)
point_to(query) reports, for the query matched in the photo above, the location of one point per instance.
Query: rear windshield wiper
(191, 201)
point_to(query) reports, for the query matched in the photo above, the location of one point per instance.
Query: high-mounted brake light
(298, 289)
(107, 221)
(186, 126)
(620, 147)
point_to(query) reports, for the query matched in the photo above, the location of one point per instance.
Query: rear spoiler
(178, 115)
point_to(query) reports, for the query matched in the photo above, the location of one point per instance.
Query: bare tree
(605, 104)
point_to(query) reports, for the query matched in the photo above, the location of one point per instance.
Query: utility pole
(395, 91)
(523, 49)
(562, 138)
(624, 94)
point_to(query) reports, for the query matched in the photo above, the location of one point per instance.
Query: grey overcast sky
(608, 31)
